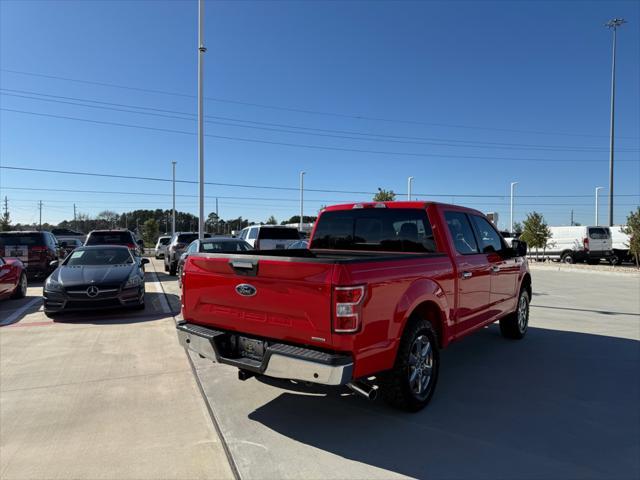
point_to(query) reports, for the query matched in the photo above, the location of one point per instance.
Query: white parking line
(15, 315)
(163, 299)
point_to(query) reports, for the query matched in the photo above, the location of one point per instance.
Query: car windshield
(110, 238)
(227, 246)
(21, 239)
(99, 256)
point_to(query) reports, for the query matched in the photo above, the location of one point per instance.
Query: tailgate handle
(245, 267)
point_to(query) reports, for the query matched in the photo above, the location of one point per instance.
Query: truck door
(504, 268)
(473, 274)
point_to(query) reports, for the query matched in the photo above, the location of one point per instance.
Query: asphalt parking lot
(112, 395)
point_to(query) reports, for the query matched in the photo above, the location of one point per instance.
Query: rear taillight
(131, 246)
(38, 249)
(348, 309)
(585, 242)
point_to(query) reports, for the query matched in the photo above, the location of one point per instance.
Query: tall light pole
(409, 184)
(201, 52)
(301, 199)
(173, 213)
(612, 25)
(597, 190)
(513, 184)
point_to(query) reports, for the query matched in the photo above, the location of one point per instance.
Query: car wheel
(172, 269)
(568, 257)
(51, 314)
(614, 260)
(410, 384)
(21, 288)
(166, 267)
(515, 325)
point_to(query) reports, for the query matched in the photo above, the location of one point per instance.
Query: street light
(612, 25)
(301, 199)
(597, 190)
(173, 215)
(513, 184)
(201, 51)
(409, 184)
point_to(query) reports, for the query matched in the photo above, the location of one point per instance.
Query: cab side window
(489, 238)
(193, 247)
(253, 233)
(461, 233)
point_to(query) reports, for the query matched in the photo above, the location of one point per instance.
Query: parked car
(579, 244)
(269, 237)
(36, 250)
(212, 245)
(13, 278)
(620, 242)
(68, 245)
(95, 277)
(113, 237)
(161, 246)
(179, 241)
(382, 287)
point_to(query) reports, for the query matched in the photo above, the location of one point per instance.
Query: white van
(269, 237)
(620, 244)
(579, 244)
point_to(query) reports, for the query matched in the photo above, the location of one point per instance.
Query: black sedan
(95, 277)
(212, 245)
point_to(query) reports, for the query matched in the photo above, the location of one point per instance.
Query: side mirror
(144, 261)
(519, 247)
(54, 263)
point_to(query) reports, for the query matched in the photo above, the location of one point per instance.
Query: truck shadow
(555, 405)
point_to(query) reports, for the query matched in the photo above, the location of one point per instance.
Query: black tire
(397, 388)
(51, 314)
(615, 260)
(172, 268)
(513, 325)
(568, 257)
(166, 266)
(21, 288)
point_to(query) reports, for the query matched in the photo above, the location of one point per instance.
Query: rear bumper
(279, 361)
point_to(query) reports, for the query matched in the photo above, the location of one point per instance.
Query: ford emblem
(246, 290)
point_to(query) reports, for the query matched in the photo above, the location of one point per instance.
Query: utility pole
(409, 184)
(572, 217)
(40, 207)
(75, 222)
(597, 190)
(612, 25)
(173, 217)
(513, 184)
(301, 200)
(201, 52)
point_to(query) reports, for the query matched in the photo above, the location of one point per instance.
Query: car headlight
(134, 280)
(52, 286)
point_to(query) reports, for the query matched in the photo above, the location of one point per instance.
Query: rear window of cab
(35, 239)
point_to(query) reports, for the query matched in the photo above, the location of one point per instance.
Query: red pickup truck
(381, 288)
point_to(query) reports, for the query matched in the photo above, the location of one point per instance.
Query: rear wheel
(411, 383)
(567, 257)
(21, 288)
(515, 324)
(172, 268)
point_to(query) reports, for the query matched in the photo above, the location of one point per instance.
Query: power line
(283, 128)
(110, 192)
(313, 147)
(299, 110)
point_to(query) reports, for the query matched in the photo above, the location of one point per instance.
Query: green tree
(272, 220)
(535, 232)
(633, 230)
(150, 232)
(517, 228)
(384, 195)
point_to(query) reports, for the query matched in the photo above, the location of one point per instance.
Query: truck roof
(396, 204)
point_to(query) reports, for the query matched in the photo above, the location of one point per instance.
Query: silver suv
(178, 243)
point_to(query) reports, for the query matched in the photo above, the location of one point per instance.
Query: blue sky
(464, 96)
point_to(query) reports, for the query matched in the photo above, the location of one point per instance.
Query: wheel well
(566, 252)
(526, 283)
(430, 311)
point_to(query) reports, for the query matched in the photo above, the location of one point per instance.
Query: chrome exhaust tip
(370, 392)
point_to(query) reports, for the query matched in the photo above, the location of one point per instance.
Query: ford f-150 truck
(382, 287)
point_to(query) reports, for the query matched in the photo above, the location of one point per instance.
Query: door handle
(466, 275)
(495, 269)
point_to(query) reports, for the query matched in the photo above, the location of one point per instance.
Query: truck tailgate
(272, 298)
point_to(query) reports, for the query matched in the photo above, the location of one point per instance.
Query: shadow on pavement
(554, 405)
(601, 312)
(119, 316)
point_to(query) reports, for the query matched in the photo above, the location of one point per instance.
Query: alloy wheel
(420, 366)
